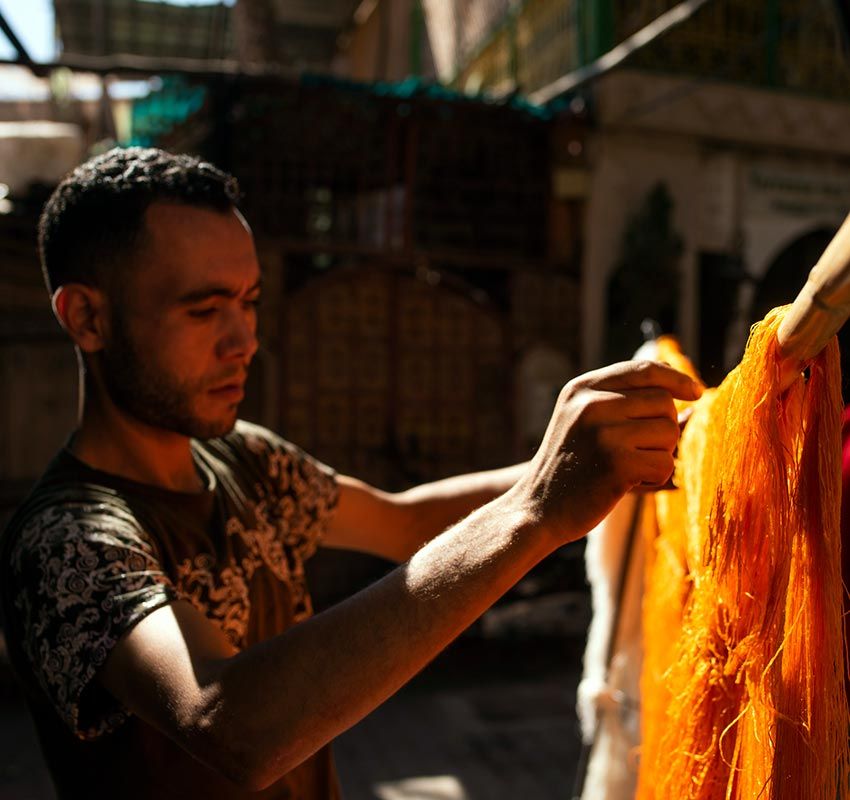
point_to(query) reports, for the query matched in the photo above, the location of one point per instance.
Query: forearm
(254, 715)
(433, 507)
(289, 696)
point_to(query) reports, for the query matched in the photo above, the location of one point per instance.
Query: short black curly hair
(94, 219)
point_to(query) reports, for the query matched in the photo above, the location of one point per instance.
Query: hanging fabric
(742, 689)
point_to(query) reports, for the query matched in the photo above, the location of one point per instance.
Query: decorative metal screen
(395, 380)
(107, 27)
(793, 44)
(338, 165)
(522, 45)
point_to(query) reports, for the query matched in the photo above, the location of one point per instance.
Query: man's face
(183, 327)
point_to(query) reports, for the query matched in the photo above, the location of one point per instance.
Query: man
(152, 584)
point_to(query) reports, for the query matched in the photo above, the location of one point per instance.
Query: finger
(645, 374)
(649, 467)
(631, 404)
(647, 488)
(660, 433)
(655, 434)
(648, 403)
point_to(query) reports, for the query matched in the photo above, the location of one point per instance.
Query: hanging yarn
(664, 598)
(742, 690)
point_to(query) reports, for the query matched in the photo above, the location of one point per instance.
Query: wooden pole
(820, 309)
(23, 54)
(145, 66)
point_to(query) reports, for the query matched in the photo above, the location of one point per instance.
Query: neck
(112, 441)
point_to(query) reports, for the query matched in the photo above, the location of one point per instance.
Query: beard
(152, 395)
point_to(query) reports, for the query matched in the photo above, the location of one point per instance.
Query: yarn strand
(743, 691)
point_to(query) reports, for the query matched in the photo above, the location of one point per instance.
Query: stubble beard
(151, 395)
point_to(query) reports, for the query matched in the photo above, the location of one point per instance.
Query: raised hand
(612, 430)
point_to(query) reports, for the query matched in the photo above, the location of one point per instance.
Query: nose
(239, 339)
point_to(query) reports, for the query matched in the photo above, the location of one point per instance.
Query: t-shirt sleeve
(304, 491)
(83, 575)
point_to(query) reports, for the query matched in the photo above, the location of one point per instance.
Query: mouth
(229, 392)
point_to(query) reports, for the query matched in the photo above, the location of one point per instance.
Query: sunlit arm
(395, 526)
(255, 715)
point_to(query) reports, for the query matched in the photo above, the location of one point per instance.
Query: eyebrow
(214, 290)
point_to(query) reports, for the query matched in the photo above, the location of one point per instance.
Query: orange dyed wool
(742, 690)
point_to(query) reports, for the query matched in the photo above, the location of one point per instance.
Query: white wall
(749, 172)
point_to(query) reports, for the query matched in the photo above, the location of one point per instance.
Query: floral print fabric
(97, 554)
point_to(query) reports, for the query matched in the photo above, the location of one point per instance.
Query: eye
(202, 313)
(253, 304)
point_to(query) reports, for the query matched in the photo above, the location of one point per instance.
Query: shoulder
(295, 488)
(78, 571)
(258, 440)
(66, 500)
(83, 536)
(56, 513)
(67, 535)
(262, 442)
(269, 456)
(63, 504)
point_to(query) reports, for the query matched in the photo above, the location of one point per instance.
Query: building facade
(736, 114)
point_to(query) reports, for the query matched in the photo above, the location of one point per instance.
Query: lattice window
(102, 27)
(547, 40)
(492, 69)
(631, 15)
(318, 165)
(395, 380)
(342, 166)
(823, 68)
(722, 40)
(484, 190)
(532, 46)
(792, 45)
(460, 30)
(476, 21)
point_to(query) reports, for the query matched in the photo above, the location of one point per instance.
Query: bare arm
(395, 526)
(255, 715)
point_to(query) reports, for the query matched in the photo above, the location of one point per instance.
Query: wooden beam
(23, 55)
(431, 257)
(819, 310)
(146, 66)
(613, 58)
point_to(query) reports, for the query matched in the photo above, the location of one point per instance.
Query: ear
(82, 312)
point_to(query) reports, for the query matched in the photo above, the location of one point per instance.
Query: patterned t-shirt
(90, 554)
